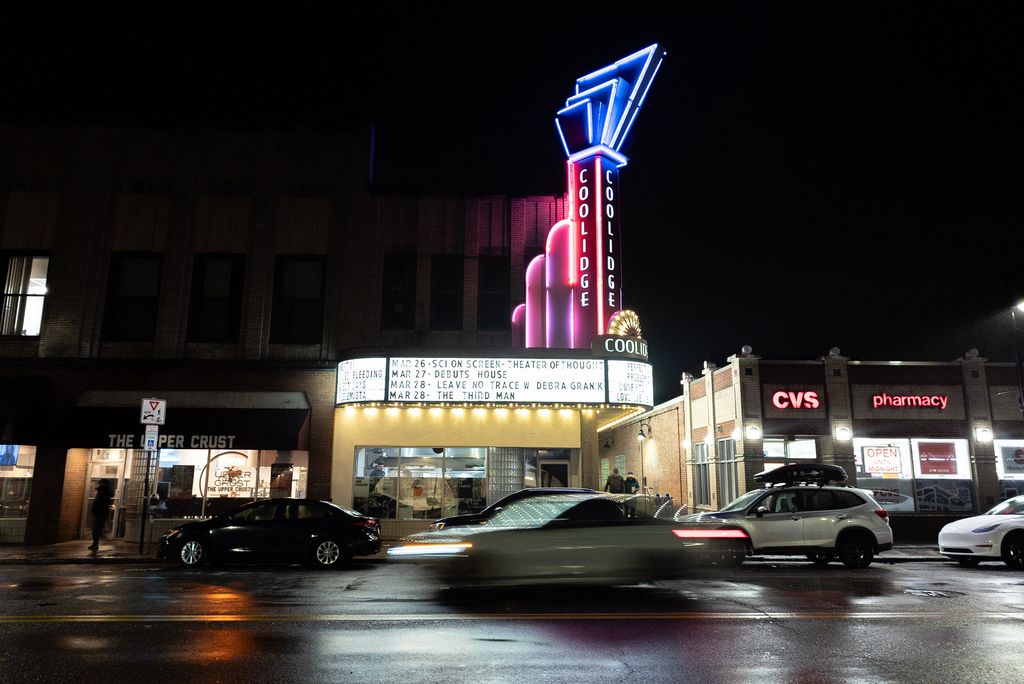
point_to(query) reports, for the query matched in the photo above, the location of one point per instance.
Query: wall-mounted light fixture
(753, 432)
(984, 434)
(642, 434)
(645, 429)
(843, 433)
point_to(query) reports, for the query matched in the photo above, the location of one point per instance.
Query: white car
(998, 535)
(602, 539)
(799, 513)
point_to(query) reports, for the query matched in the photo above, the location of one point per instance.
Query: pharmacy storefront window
(1010, 467)
(925, 475)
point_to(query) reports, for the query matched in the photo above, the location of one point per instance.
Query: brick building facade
(230, 269)
(932, 440)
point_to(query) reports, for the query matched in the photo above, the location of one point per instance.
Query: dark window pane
(446, 279)
(494, 313)
(298, 301)
(398, 309)
(132, 298)
(216, 306)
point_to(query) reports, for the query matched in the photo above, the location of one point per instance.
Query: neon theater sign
(574, 289)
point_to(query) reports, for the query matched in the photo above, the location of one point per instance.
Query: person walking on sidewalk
(615, 484)
(100, 511)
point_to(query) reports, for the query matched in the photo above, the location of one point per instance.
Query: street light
(1019, 306)
(642, 435)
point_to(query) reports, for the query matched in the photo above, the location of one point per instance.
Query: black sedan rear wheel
(328, 554)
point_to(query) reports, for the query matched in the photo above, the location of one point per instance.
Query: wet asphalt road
(385, 622)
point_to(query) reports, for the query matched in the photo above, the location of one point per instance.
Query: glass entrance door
(105, 464)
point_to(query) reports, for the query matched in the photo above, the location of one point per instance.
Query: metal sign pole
(145, 503)
(153, 411)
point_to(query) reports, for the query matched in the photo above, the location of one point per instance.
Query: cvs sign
(796, 400)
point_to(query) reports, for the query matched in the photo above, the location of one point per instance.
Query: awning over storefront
(194, 420)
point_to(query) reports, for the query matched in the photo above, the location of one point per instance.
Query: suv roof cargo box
(811, 473)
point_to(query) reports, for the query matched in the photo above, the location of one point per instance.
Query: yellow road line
(456, 617)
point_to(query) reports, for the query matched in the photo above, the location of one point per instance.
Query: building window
(298, 316)
(701, 475)
(216, 306)
(728, 484)
(398, 310)
(924, 475)
(24, 292)
(446, 292)
(420, 483)
(494, 297)
(132, 297)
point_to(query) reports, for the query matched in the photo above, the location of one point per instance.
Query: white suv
(798, 513)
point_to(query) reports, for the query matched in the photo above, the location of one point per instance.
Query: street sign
(153, 411)
(152, 434)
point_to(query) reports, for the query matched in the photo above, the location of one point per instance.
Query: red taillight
(366, 522)
(711, 534)
(882, 513)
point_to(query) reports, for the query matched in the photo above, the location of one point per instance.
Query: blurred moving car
(310, 530)
(488, 513)
(797, 513)
(582, 538)
(997, 535)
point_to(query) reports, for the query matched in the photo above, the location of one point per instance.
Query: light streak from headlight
(429, 549)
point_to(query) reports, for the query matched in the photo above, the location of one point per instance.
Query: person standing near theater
(615, 484)
(632, 486)
(100, 511)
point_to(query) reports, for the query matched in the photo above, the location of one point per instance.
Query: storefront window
(205, 482)
(426, 483)
(17, 463)
(420, 483)
(1010, 467)
(927, 475)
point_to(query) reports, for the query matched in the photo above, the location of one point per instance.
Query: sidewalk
(119, 551)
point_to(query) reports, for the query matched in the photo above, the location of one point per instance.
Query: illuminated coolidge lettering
(584, 283)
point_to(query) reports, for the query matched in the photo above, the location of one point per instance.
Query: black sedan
(319, 532)
(489, 512)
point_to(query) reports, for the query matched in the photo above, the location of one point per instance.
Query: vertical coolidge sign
(593, 185)
(575, 287)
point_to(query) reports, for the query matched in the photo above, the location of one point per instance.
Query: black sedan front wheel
(328, 554)
(191, 553)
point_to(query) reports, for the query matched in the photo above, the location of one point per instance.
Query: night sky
(802, 176)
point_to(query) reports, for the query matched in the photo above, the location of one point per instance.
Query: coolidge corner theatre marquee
(423, 434)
